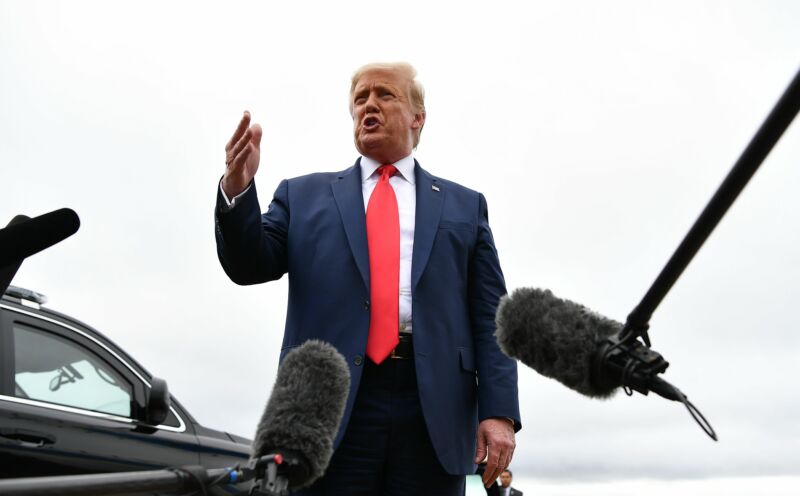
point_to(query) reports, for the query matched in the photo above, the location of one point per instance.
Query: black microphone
(581, 349)
(303, 414)
(8, 271)
(23, 237)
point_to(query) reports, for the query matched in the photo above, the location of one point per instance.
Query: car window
(50, 368)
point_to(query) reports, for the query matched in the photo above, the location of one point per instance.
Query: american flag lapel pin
(435, 188)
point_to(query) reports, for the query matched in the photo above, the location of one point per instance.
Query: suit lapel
(350, 201)
(430, 198)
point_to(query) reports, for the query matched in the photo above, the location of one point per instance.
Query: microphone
(581, 349)
(8, 271)
(302, 416)
(555, 337)
(24, 237)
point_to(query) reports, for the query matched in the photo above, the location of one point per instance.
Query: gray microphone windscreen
(557, 338)
(305, 408)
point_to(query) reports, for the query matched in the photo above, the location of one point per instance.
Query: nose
(372, 102)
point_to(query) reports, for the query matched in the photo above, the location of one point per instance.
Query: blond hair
(416, 94)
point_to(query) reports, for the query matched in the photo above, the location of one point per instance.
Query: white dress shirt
(403, 184)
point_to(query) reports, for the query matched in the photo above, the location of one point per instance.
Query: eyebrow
(380, 86)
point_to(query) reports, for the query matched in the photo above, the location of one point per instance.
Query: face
(384, 123)
(505, 479)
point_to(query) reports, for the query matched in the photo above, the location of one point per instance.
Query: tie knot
(387, 171)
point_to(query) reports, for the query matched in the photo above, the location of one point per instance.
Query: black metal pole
(768, 134)
(151, 481)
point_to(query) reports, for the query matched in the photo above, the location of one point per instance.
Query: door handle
(28, 439)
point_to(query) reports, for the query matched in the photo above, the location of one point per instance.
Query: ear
(419, 121)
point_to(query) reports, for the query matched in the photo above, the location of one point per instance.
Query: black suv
(73, 402)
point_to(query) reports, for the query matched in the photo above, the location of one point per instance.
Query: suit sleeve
(497, 374)
(252, 247)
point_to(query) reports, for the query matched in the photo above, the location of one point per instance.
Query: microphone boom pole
(626, 360)
(190, 478)
(594, 355)
(266, 470)
(757, 150)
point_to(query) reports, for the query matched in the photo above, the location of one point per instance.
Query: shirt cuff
(232, 202)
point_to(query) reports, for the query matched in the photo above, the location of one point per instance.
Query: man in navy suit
(398, 270)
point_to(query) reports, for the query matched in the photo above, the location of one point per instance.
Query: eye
(360, 100)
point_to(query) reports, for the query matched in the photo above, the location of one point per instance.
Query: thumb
(480, 451)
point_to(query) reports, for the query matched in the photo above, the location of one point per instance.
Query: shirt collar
(405, 167)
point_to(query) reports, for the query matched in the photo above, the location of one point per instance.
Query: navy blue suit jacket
(315, 230)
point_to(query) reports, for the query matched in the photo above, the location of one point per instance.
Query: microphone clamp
(623, 360)
(275, 473)
(626, 361)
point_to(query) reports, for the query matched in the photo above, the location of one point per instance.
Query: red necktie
(383, 239)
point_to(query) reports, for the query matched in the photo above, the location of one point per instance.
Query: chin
(369, 145)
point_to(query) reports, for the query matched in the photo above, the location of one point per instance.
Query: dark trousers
(386, 450)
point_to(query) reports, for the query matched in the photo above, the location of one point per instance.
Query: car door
(70, 404)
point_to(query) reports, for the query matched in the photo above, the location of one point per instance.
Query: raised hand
(242, 154)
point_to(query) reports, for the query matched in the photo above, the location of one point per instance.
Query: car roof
(19, 301)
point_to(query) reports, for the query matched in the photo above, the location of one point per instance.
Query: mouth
(370, 123)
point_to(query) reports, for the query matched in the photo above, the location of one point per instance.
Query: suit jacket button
(358, 360)
(366, 304)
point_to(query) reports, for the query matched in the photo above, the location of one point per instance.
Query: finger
(238, 146)
(244, 123)
(490, 477)
(506, 462)
(240, 129)
(238, 163)
(494, 476)
(492, 471)
(256, 131)
(504, 457)
(503, 463)
(480, 451)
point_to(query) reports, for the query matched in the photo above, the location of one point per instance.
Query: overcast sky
(596, 130)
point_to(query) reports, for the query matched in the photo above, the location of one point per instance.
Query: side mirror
(157, 407)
